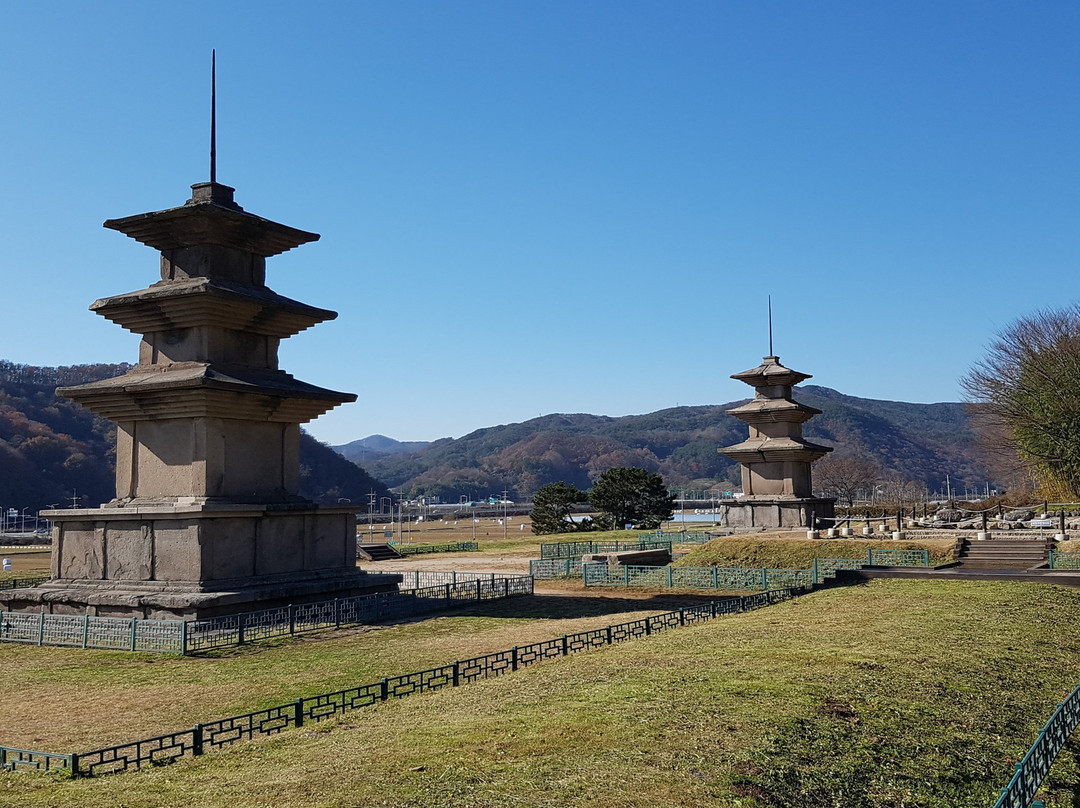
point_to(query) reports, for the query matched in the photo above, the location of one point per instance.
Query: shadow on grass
(562, 607)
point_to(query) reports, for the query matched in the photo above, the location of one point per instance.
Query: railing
(682, 537)
(570, 549)
(546, 569)
(86, 631)
(441, 590)
(737, 578)
(451, 547)
(1064, 561)
(1032, 770)
(207, 736)
(888, 557)
(21, 583)
(218, 632)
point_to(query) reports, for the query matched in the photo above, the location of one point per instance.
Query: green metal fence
(1032, 770)
(450, 547)
(1064, 561)
(748, 579)
(738, 578)
(546, 569)
(571, 549)
(683, 536)
(205, 737)
(22, 583)
(431, 591)
(888, 557)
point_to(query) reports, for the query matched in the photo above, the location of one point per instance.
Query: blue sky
(529, 208)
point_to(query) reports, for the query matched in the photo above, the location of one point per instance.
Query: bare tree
(846, 475)
(1025, 397)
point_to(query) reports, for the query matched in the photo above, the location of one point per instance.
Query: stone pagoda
(776, 458)
(208, 518)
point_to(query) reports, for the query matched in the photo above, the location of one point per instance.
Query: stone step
(377, 552)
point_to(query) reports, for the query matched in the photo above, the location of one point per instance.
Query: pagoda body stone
(208, 518)
(775, 458)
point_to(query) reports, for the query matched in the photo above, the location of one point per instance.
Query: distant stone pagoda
(775, 459)
(208, 518)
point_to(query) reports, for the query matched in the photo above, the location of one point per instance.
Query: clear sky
(529, 207)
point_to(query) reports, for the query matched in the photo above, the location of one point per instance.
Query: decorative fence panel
(203, 737)
(22, 583)
(682, 537)
(669, 577)
(1032, 770)
(897, 558)
(1064, 561)
(546, 569)
(178, 636)
(572, 549)
(449, 547)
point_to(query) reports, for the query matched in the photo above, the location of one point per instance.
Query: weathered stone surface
(1024, 515)
(207, 516)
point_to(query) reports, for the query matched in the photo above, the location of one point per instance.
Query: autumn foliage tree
(1025, 393)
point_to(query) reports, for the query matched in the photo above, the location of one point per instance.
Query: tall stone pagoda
(208, 518)
(776, 458)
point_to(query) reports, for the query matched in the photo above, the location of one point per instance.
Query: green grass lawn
(893, 693)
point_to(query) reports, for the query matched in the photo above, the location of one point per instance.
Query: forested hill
(52, 450)
(918, 441)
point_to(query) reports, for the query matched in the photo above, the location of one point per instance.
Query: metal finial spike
(770, 326)
(213, 115)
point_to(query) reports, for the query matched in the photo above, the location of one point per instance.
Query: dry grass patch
(896, 693)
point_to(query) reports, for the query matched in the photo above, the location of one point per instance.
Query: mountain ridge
(921, 442)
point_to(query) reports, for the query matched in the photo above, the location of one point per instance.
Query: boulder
(949, 515)
(1024, 515)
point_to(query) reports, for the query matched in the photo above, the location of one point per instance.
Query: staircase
(377, 552)
(1000, 553)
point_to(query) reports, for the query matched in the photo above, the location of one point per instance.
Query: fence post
(41, 628)
(86, 627)
(506, 587)
(292, 619)
(682, 617)
(134, 621)
(337, 613)
(1051, 559)
(870, 557)
(456, 679)
(183, 636)
(669, 576)
(514, 658)
(764, 579)
(609, 640)
(713, 605)
(814, 580)
(384, 690)
(926, 558)
(715, 583)
(648, 627)
(626, 575)
(447, 591)
(196, 740)
(74, 765)
(565, 646)
(298, 712)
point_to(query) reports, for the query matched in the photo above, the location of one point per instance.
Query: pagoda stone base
(754, 513)
(200, 559)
